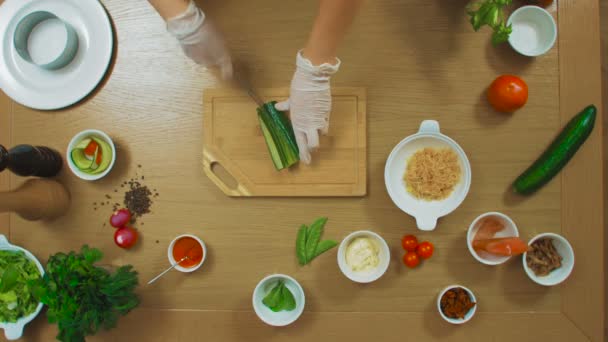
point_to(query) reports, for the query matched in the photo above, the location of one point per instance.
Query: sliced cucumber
(79, 159)
(106, 155)
(279, 136)
(557, 155)
(83, 144)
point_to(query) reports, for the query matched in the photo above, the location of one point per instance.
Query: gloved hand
(200, 39)
(309, 103)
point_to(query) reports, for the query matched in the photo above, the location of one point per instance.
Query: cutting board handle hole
(223, 175)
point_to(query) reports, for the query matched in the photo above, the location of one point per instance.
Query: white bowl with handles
(425, 212)
(13, 331)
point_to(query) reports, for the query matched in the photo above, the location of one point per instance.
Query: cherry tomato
(411, 259)
(508, 93)
(120, 218)
(425, 250)
(125, 237)
(409, 243)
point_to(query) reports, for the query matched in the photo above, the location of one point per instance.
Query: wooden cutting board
(235, 148)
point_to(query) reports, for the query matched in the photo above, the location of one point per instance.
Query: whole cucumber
(557, 155)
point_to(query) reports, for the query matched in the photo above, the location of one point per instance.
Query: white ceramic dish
(75, 140)
(364, 276)
(281, 318)
(564, 249)
(426, 212)
(13, 331)
(172, 260)
(469, 314)
(37, 88)
(509, 231)
(534, 31)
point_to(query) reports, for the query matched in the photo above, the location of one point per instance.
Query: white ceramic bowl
(469, 314)
(509, 231)
(364, 276)
(13, 331)
(79, 137)
(426, 212)
(172, 260)
(559, 275)
(281, 318)
(534, 31)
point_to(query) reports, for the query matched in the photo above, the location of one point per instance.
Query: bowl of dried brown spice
(456, 304)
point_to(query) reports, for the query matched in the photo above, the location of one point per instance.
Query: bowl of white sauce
(363, 256)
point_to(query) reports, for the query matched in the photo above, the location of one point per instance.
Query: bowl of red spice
(456, 304)
(187, 250)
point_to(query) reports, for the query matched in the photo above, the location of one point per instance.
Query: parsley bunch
(83, 298)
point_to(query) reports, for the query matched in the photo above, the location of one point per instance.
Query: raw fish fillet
(503, 246)
(489, 227)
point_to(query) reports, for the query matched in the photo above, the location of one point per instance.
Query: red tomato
(425, 250)
(411, 259)
(409, 243)
(508, 93)
(125, 237)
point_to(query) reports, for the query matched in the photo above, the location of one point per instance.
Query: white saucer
(37, 88)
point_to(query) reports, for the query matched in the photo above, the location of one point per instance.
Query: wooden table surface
(418, 60)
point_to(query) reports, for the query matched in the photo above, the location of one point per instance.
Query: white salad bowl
(557, 276)
(281, 318)
(172, 260)
(364, 276)
(13, 331)
(78, 138)
(469, 314)
(509, 231)
(425, 212)
(534, 31)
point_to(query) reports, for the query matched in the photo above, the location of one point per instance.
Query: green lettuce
(17, 274)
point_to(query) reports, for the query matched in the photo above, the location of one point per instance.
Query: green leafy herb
(301, 245)
(84, 298)
(16, 291)
(280, 298)
(309, 244)
(490, 13)
(324, 246)
(314, 236)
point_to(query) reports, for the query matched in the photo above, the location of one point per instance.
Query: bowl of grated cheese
(427, 175)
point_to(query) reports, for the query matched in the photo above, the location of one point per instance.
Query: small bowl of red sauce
(190, 246)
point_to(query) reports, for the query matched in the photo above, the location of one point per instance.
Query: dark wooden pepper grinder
(28, 160)
(36, 199)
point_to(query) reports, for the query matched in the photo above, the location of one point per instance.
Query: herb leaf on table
(301, 245)
(309, 244)
(314, 236)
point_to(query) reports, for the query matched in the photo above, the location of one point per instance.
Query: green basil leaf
(273, 298)
(289, 302)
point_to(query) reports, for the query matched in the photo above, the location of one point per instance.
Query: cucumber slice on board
(279, 136)
(558, 154)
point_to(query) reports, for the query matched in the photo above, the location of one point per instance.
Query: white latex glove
(200, 39)
(309, 103)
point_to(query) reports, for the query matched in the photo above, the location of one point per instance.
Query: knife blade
(242, 79)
